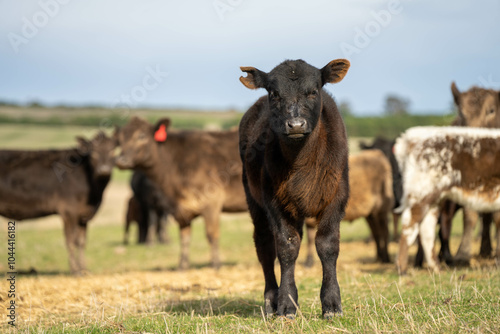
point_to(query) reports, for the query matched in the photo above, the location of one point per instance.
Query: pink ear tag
(161, 134)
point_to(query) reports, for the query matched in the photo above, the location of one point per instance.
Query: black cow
(148, 207)
(293, 146)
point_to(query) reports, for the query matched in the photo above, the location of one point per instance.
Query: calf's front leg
(288, 238)
(328, 246)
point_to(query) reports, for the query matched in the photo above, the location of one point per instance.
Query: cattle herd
(288, 165)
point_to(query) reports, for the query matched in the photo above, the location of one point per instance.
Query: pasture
(137, 289)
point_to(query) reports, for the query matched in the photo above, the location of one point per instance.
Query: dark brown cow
(198, 172)
(293, 146)
(438, 163)
(69, 183)
(371, 197)
(148, 208)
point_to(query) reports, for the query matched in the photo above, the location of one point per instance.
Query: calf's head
(477, 107)
(294, 92)
(139, 141)
(101, 152)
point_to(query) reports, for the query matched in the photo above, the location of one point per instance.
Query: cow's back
(434, 160)
(39, 183)
(203, 165)
(370, 182)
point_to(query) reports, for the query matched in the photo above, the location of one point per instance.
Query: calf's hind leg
(311, 236)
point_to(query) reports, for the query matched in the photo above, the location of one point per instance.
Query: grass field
(137, 289)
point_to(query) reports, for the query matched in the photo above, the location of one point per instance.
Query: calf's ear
(254, 79)
(456, 93)
(335, 71)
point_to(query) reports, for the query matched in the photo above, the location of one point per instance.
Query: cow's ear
(335, 71)
(100, 136)
(364, 146)
(83, 144)
(456, 94)
(160, 129)
(254, 79)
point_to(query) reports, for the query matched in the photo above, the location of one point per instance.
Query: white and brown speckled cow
(437, 163)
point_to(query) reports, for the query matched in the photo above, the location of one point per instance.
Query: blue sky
(81, 52)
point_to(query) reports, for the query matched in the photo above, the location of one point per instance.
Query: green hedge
(388, 126)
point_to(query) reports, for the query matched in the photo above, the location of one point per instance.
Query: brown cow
(371, 197)
(477, 107)
(198, 172)
(438, 163)
(293, 145)
(68, 182)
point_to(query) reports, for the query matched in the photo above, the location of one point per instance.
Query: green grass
(375, 298)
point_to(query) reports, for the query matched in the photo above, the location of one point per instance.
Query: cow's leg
(485, 250)
(464, 250)
(265, 246)
(380, 232)
(161, 228)
(375, 231)
(428, 236)
(143, 222)
(127, 228)
(152, 221)
(446, 215)
(185, 240)
(212, 230)
(81, 242)
(311, 235)
(496, 219)
(288, 237)
(70, 234)
(383, 226)
(419, 257)
(327, 246)
(409, 222)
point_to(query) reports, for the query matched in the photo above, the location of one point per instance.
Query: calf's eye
(313, 93)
